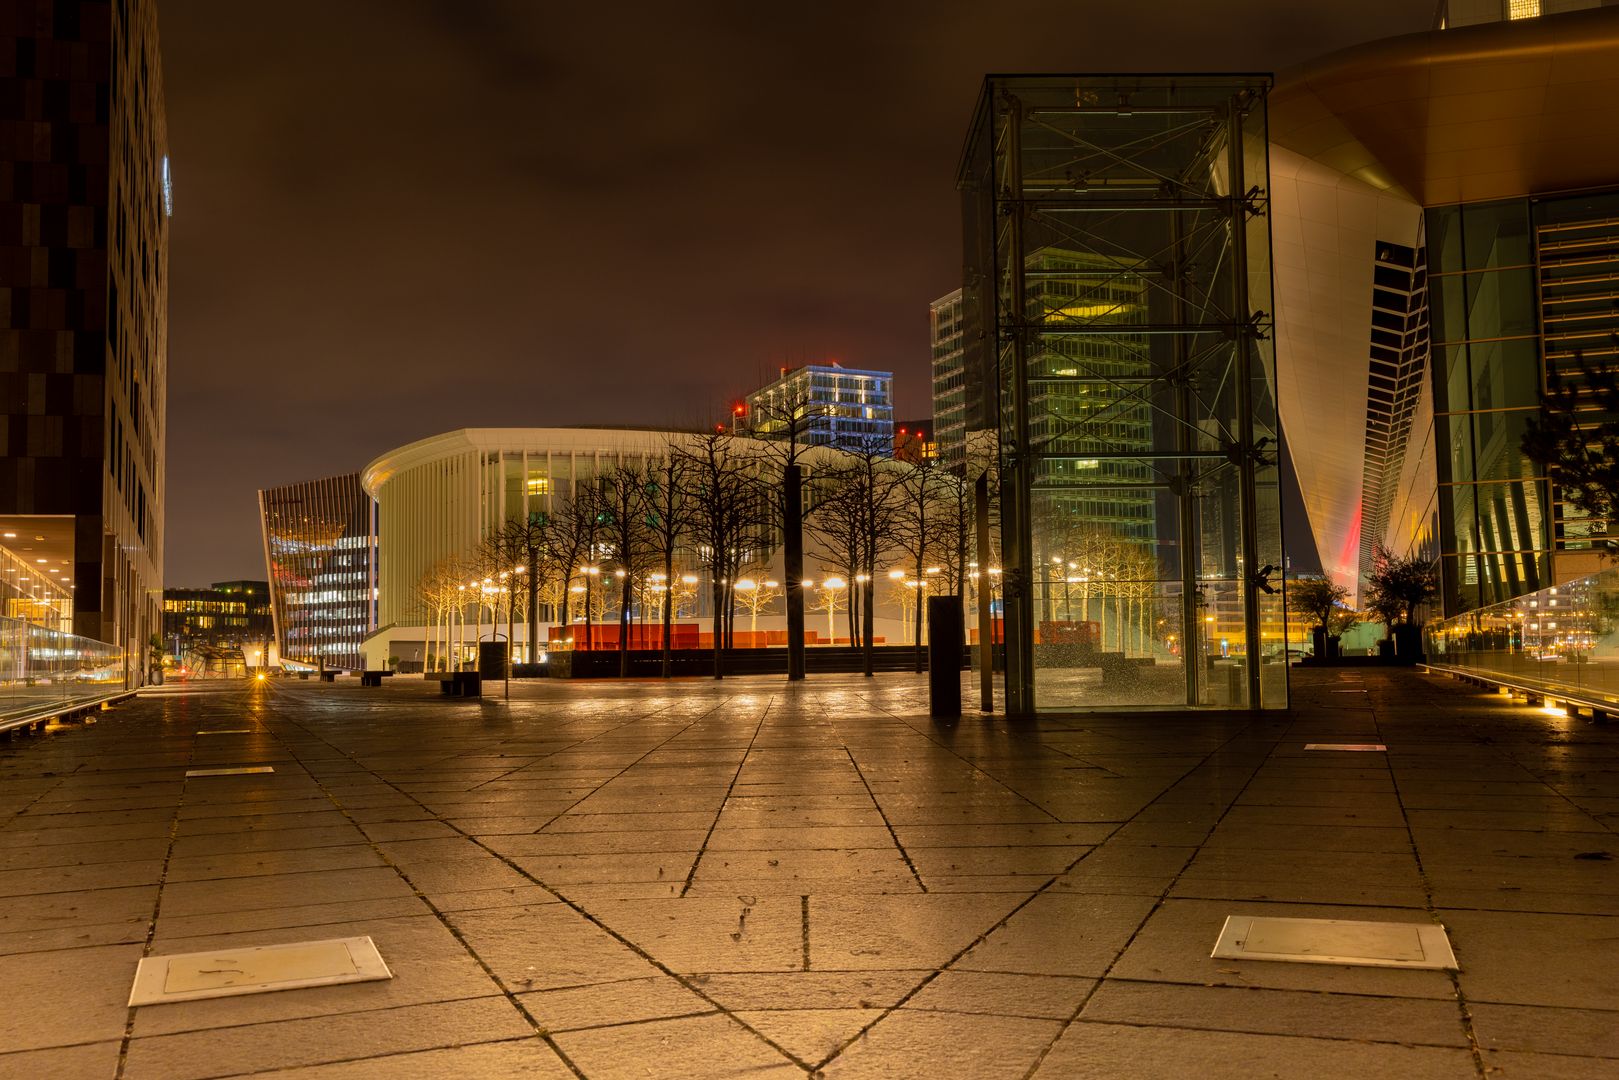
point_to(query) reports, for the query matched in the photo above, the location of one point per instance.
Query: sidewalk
(741, 879)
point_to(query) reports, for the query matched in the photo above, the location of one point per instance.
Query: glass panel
(1500, 303)
(1558, 640)
(1444, 233)
(44, 670)
(1496, 234)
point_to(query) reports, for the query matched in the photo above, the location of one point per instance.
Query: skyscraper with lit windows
(320, 546)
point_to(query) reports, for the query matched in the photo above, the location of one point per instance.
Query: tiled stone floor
(700, 879)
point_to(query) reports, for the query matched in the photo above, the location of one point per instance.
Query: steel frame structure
(1118, 272)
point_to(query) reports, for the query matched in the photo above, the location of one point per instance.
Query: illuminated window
(1523, 9)
(539, 485)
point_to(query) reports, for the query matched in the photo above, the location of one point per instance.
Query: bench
(328, 676)
(374, 678)
(457, 684)
(461, 684)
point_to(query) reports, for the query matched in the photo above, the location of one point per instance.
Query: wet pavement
(741, 879)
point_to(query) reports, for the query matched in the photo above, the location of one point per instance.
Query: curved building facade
(439, 498)
(1446, 234)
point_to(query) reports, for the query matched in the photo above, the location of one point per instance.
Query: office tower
(85, 198)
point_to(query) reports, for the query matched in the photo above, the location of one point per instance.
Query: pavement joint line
(157, 911)
(691, 875)
(498, 985)
(872, 795)
(579, 909)
(1240, 733)
(1464, 1013)
(597, 787)
(562, 749)
(949, 964)
(272, 1070)
(933, 738)
(803, 910)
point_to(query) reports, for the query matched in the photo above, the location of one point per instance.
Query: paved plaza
(701, 879)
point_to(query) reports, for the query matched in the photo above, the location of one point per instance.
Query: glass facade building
(1117, 305)
(837, 406)
(320, 550)
(1447, 251)
(1523, 290)
(226, 627)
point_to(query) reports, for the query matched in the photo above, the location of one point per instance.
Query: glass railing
(44, 671)
(1562, 640)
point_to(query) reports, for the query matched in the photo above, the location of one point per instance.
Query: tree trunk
(916, 631)
(533, 605)
(866, 620)
(717, 594)
(668, 609)
(624, 626)
(793, 564)
(589, 614)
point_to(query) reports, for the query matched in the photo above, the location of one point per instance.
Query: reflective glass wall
(1560, 639)
(1494, 537)
(43, 670)
(1523, 293)
(1118, 245)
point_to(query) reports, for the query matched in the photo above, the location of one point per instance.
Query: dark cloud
(399, 217)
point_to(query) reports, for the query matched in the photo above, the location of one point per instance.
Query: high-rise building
(950, 375)
(85, 200)
(320, 545)
(833, 406)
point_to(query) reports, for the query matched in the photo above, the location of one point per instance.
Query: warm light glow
(835, 583)
(746, 584)
(896, 574)
(689, 579)
(260, 676)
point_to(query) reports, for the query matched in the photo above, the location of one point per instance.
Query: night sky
(398, 218)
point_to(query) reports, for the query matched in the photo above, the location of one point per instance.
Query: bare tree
(527, 542)
(730, 519)
(627, 537)
(669, 519)
(572, 533)
(862, 490)
(756, 596)
(835, 526)
(785, 420)
(916, 527)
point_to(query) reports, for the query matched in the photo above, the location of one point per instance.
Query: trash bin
(946, 645)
